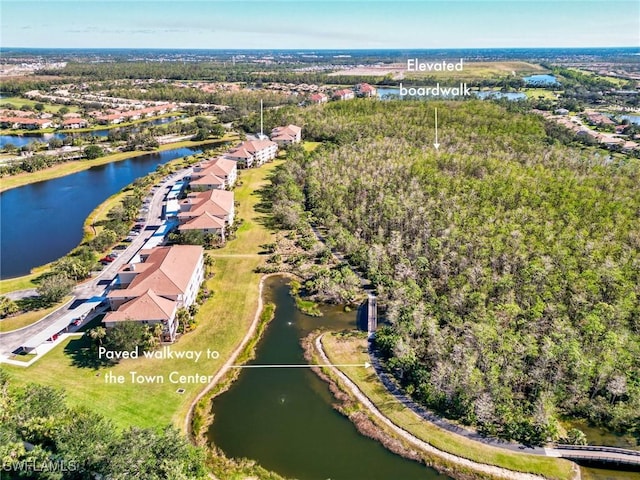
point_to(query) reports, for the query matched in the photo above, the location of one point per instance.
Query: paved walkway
(415, 441)
(392, 387)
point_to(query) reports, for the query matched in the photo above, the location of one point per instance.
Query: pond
(283, 417)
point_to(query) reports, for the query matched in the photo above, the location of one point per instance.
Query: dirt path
(415, 441)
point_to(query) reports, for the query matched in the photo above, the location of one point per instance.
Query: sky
(302, 24)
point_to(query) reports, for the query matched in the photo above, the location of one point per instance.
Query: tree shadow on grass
(29, 304)
(84, 354)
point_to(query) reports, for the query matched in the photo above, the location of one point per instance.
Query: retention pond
(283, 417)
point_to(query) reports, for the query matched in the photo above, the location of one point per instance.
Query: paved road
(95, 287)
(20, 294)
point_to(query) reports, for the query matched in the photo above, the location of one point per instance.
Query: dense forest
(508, 263)
(42, 437)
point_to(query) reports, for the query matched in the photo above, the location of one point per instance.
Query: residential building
(152, 290)
(318, 98)
(211, 211)
(365, 90)
(216, 173)
(253, 153)
(74, 123)
(286, 135)
(25, 123)
(344, 94)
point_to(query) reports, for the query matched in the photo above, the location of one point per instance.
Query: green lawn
(22, 320)
(354, 350)
(480, 70)
(24, 282)
(310, 146)
(18, 102)
(222, 323)
(540, 92)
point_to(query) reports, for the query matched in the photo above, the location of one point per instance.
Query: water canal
(43, 221)
(283, 417)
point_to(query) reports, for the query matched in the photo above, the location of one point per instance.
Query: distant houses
(73, 123)
(599, 119)
(318, 98)
(365, 90)
(344, 94)
(116, 117)
(151, 291)
(25, 123)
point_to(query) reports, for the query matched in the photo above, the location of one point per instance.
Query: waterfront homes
(365, 90)
(219, 173)
(209, 212)
(253, 153)
(74, 123)
(25, 123)
(152, 290)
(599, 119)
(318, 98)
(286, 135)
(344, 94)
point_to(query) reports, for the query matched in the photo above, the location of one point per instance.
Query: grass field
(540, 92)
(18, 283)
(19, 321)
(310, 146)
(470, 71)
(24, 282)
(100, 214)
(618, 82)
(354, 350)
(18, 102)
(68, 168)
(222, 322)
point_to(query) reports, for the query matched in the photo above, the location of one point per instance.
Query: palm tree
(98, 334)
(182, 317)
(158, 330)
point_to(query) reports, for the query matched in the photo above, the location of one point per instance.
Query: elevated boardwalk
(372, 315)
(596, 454)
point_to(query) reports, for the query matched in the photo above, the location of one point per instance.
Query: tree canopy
(508, 264)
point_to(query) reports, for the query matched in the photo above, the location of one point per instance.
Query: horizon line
(4, 48)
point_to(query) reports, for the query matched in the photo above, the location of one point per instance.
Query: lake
(27, 138)
(283, 417)
(541, 80)
(43, 221)
(635, 119)
(387, 93)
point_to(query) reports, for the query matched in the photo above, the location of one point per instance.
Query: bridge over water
(596, 454)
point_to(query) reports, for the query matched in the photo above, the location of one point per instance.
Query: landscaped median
(222, 323)
(353, 350)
